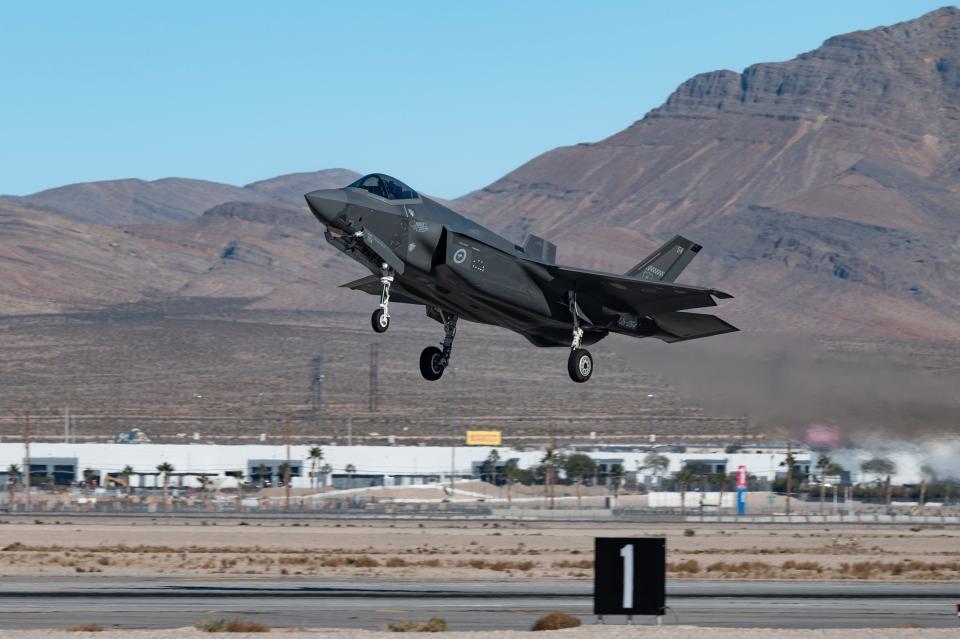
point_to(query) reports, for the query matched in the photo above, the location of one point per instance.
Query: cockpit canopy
(385, 187)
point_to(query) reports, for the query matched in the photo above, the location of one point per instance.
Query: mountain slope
(826, 188)
(125, 202)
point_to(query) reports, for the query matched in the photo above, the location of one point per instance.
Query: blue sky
(448, 96)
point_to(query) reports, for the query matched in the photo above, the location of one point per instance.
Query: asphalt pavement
(165, 602)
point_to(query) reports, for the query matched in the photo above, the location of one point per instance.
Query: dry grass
(237, 624)
(436, 624)
(556, 621)
(88, 627)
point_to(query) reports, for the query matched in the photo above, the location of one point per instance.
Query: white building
(379, 465)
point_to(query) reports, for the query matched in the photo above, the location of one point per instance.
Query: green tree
(578, 466)
(316, 456)
(656, 464)
(511, 473)
(489, 467)
(89, 477)
(166, 468)
(881, 467)
(350, 469)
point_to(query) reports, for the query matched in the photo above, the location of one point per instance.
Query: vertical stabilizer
(666, 263)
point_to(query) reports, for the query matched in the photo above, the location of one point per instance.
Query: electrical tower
(374, 375)
(316, 383)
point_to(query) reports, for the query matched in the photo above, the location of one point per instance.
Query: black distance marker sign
(629, 576)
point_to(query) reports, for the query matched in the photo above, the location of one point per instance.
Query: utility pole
(374, 378)
(26, 471)
(453, 454)
(789, 474)
(286, 471)
(553, 464)
(66, 425)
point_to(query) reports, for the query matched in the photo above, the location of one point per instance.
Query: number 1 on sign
(627, 553)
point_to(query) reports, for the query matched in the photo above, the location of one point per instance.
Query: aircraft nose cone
(327, 205)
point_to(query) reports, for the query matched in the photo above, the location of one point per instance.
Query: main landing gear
(580, 362)
(434, 360)
(381, 317)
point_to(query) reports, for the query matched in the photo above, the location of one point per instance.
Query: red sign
(742, 477)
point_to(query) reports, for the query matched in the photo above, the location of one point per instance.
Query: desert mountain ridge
(825, 190)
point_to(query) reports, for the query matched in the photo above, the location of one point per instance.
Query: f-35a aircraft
(421, 252)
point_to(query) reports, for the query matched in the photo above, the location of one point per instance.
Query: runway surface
(157, 602)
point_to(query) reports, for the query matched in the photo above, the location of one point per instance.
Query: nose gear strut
(381, 317)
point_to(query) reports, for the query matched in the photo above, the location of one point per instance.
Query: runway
(158, 602)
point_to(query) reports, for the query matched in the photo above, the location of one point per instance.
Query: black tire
(430, 366)
(580, 365)
(380, 321)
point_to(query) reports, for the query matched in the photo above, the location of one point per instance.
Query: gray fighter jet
(421, 252)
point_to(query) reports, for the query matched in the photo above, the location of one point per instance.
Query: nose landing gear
(381, 317)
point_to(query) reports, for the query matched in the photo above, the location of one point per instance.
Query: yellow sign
(484, 438)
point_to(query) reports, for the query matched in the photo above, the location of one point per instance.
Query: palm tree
(283, 470)
(511, 472)
(551, 459)
(325, 470)
(826, 466)
(315, 456)
(165, 469)
(880, 466)
(263, 472)
(685, 476)
(126, 473)
(657, 463)
(13, 478)
(205, 481)
(350, 469)
(490, 466)
(579, 466)
(927, 474)
(617, 473)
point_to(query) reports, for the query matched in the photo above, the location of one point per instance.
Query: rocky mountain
(826, 189)
(127, 202)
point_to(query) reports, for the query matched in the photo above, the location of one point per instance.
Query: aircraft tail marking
(666, 263)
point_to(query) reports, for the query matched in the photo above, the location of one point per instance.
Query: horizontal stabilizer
(680, 327)
(666, 263)
(540, 249)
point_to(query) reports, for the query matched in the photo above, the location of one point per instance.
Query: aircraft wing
(371, 284)
(629, 295)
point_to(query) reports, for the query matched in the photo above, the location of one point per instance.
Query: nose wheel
(380, 321)
(580, 365)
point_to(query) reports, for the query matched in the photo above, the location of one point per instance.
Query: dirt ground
(583, 632)
(473, 551)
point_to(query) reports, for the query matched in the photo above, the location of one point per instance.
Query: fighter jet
(421, 252)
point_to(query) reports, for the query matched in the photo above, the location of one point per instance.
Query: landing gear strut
(434, 360)
(580, 362)
(381, 317)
